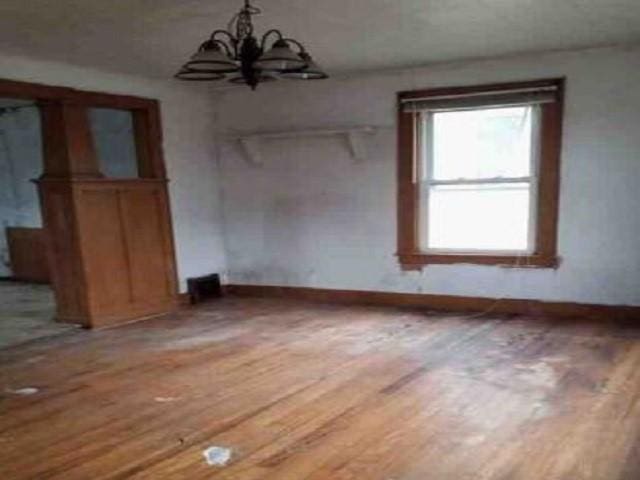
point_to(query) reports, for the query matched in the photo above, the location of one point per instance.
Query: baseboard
(132, 313)
(442, 302)
(184, 299)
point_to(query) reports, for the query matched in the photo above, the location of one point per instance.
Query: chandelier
(241, 58)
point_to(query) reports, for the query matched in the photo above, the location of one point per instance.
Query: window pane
(484, 143)
(114, 141)
(478, 217)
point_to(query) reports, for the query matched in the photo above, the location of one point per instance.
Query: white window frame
(426, 181)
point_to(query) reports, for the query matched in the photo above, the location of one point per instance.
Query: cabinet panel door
(143, 220)
(104, 249)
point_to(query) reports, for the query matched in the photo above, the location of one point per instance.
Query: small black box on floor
(204, 288)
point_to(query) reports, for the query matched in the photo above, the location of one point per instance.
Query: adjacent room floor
(293, 390)
(26, 313)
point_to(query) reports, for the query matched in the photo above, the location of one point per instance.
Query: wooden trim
(148, 139)
(442, 302)
(66, 108)
(549, 175)
(38, 91)
(67, 141)
(512, 261)
(407, 187)
(33, 91)
(408, 245)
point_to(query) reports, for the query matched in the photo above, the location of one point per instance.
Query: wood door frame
(146, 116)
(63, 105)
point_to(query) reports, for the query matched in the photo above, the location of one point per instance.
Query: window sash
(530, 245)
(425, 163)
(482, 100)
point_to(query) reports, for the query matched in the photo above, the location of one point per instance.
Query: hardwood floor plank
(310, 391)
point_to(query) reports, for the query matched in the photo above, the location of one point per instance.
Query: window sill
(415, 261)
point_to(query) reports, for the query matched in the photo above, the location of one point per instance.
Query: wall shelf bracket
(354, 136)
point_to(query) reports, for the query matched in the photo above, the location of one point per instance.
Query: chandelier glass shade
(198, 76)
(237, 56)
(311, 72)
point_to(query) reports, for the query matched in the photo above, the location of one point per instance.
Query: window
(478, 173)
(114, 141)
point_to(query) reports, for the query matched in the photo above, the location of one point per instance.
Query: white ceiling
(153, 37)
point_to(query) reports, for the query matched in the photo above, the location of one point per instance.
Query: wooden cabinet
(109, 241)
(27, 251)
(115, 248)
(125, 240)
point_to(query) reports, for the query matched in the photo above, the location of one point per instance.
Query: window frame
(427, 166)
(544, 208)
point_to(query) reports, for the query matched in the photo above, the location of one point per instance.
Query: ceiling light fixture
(247, 60)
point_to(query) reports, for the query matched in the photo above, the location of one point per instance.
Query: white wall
(312, 217)
(188, 121)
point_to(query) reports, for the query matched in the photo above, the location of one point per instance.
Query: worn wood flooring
(26, 313)
(307, 391)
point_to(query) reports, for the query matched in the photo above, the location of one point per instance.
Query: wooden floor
(26, 313)
(302, 391)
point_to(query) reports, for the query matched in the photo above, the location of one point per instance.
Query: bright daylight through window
(479, 179)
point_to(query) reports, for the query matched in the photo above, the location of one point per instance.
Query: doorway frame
(146, 116)
(147, 130)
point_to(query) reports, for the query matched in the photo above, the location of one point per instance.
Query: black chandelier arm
(273, 31)
(232, 41)
(296, 43)
(231, 51)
